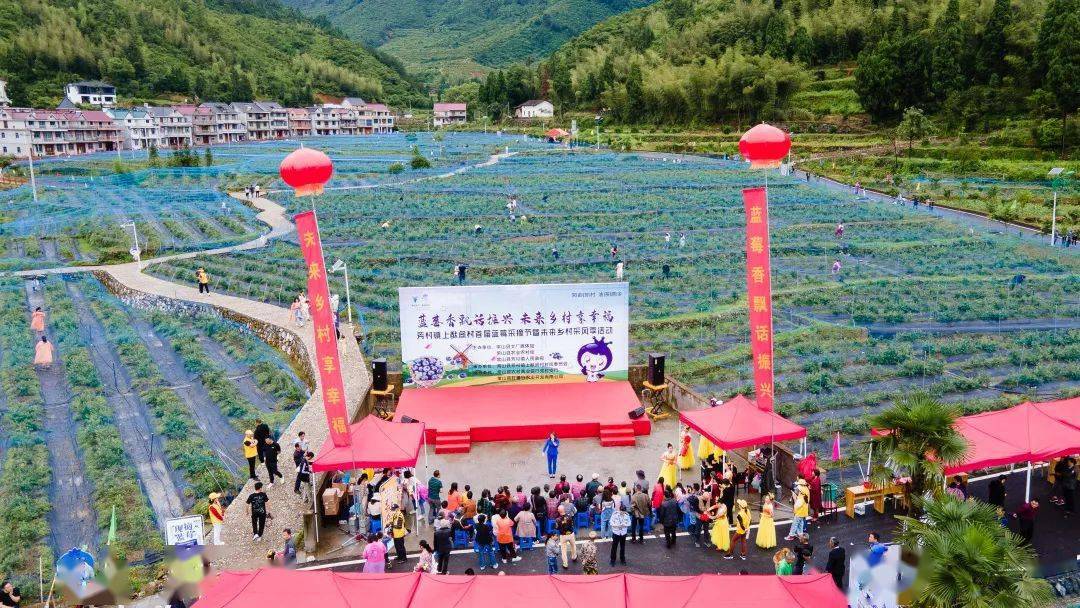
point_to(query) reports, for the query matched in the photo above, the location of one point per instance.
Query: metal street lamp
(340, 265)
(135, 251)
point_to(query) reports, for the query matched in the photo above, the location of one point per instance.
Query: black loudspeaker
(638, 413)
(656, 369)
(378, 374)
(408, 419)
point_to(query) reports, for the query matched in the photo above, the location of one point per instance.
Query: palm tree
(966, 558)
(919, 442)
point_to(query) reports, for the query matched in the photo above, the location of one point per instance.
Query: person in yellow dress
(37, 320)
(686, 453)
(766, 534)
(43, 353)
(667, 466)
(719, 535)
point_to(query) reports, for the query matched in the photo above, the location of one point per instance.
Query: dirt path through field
(143, 447)
(72, 519)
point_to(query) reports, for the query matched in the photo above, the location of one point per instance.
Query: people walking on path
(262, 433)
(271, 451)
(37, 320)
(374, 555)
(837, 563)
(258, 510)
(620, 525)
(551, 451)
(203, 279)
(251, 452)
(742, 530)
(589, 563)
(43, 353)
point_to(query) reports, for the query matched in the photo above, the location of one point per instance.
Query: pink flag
(836, 447)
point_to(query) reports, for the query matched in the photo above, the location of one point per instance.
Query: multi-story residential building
(47, 131)
(91, 131)
(139, 128)
(93, 92)
(299, 122)
(256, 119)
(279, 119)
(449, 114)
(348, 120)
(217, 123)
(174, 125)
(325, 121)
(14, 134)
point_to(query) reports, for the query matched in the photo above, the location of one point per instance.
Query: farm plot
(910, 283)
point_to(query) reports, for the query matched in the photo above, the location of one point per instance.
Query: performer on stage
(667, 466)
(686, 454)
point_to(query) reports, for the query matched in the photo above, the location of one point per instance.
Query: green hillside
(214, 49)
(971, 62)
(454, 38)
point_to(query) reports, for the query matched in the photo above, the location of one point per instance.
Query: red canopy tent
(739, 423)
(375, 443)
(276, 587)
(1029, 432)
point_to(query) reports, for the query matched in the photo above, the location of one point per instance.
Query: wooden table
(859, 493)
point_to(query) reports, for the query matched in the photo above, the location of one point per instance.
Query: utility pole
(136, 251)
(33, 181)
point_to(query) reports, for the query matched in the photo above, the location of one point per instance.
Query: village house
(173, 124)
(534, 108)
(138, 127)
(299, 122)
(90, 92)
(14, 134)
(449, 114)
(217, 123)
(91, 131)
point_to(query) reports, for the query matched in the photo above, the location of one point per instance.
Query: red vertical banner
(326, 352)
(759, 294)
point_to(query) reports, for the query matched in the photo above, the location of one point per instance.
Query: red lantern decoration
(306, 170)
(764, 146)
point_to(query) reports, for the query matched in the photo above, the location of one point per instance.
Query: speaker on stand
(656, 369)
(378, 374)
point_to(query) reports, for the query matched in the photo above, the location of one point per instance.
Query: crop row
(185, 448)
(25, 476)
(114, 479)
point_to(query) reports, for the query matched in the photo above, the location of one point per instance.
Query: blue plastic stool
(581, 520)
(461, 539)
(376, 525)
(552, 526)
(648, 523)
(526, 543)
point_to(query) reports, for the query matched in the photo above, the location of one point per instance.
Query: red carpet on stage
(457, 416)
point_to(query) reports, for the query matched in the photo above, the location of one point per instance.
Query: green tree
(208, 157)
(1058, 49)
(152, 156)
(917, 426)
(802, 46)
(948, 49)
(635, 94)
(776, 39)
(915, 125)
(966, 558)
(993, 43)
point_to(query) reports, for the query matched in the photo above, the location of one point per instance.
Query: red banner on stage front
(326, 351)
(759, 294)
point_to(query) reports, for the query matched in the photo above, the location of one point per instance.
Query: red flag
(836, 447)
(759, 294)
(327, 359)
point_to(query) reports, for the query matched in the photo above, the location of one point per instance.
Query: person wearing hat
(251, 452)
(742, 530)
(217, 516)
(588, 555)
(399, 529)
(800, 510)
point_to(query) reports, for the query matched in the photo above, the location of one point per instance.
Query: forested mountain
(214, 49)
(454, 38)
(710, 60)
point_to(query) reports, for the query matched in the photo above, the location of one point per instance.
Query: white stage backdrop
(499, 334)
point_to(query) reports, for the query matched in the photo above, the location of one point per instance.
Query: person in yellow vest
(217, 516)
(742, 530)
(251, 452)
(203, 280)
(399, 529)
(800, 510)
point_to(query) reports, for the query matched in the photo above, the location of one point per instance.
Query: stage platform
(458, 416)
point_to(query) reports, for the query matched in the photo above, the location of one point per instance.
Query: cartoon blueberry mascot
(594, 358)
